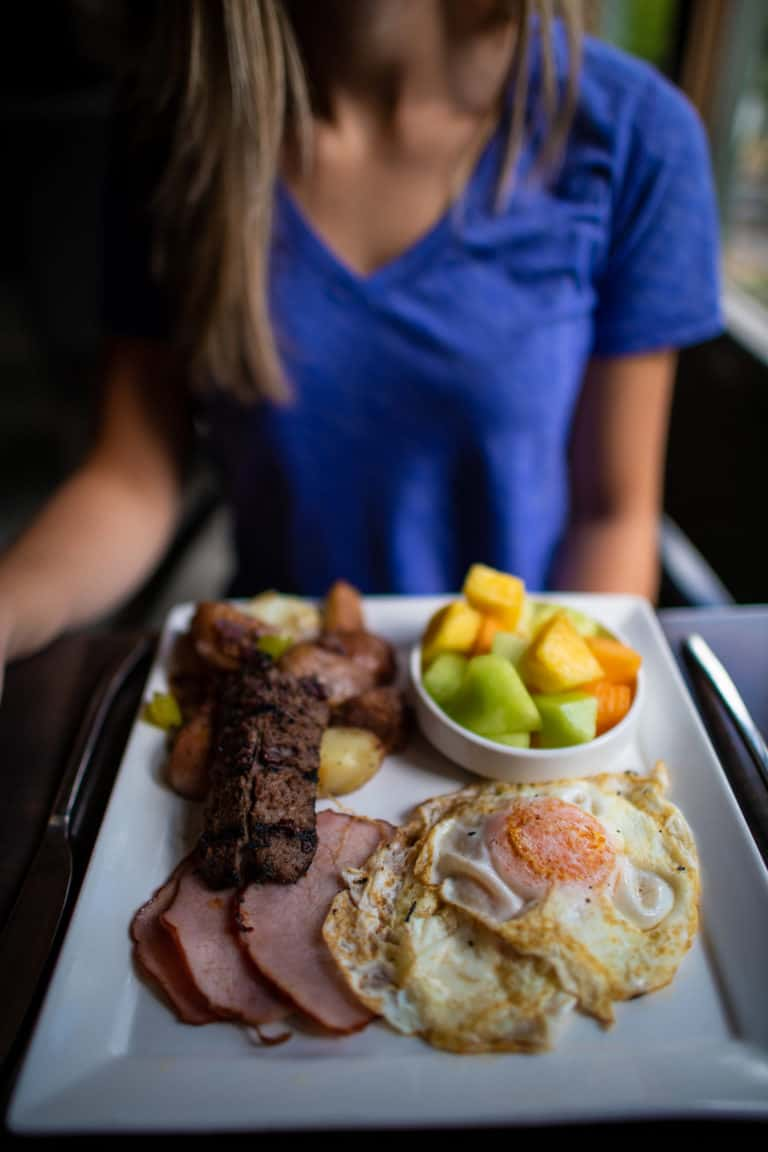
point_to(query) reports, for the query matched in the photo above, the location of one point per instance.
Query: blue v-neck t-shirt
(433, 400)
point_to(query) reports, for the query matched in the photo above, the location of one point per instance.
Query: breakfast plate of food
(305, 909)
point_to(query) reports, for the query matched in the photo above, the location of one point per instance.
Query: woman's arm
(108, 525)
(617, 472)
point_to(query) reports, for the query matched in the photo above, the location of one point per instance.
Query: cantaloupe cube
(619, 662)
(495, 594)
(489, 626)
(613, 703)
(453, 628)
(559, 659)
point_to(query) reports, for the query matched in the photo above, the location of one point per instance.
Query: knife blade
(697, 650)
(31, 928)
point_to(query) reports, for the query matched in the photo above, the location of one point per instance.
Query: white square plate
(107, 1054)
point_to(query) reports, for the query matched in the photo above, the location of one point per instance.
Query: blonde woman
(419, 269)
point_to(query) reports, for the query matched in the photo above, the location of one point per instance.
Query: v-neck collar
(331, 263)
(400, 266)
(475, 197)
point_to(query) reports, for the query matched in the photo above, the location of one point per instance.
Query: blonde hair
(234, 94)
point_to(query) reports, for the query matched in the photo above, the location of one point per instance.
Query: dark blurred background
(58, 64)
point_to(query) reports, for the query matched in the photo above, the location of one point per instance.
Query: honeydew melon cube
(444, 677)
(514, 739)
(493, 699)
(567, 718)
(510, 646)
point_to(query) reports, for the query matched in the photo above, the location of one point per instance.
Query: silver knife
(31, 927)
(703, 656)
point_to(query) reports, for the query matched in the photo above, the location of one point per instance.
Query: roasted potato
(187, 767)
(349, 757)
(343, 609)
(291, 616)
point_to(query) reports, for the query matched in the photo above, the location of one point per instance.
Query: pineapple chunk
(453, 628)
(559, 658)
(495, 594)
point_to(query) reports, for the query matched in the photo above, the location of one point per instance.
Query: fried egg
(429, 968)
(498, 908)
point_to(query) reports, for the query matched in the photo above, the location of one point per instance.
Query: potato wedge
(349, 757)
(343, 609)
(290, 615)
(187, 768)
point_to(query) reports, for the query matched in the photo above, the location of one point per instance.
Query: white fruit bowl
(495, 761)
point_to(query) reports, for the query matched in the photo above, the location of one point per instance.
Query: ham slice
(201, 922)
(156, 954)
(282, 925)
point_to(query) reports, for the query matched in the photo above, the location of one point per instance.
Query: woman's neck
(405, 94)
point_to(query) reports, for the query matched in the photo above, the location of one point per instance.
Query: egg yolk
(545, 841)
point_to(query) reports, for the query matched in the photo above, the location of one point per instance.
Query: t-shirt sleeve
(134, 305)
(660, 285)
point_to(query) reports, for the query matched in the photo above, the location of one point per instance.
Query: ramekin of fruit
(515, 688)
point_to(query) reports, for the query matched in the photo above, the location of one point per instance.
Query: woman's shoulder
(634, 108)
(645, 152)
